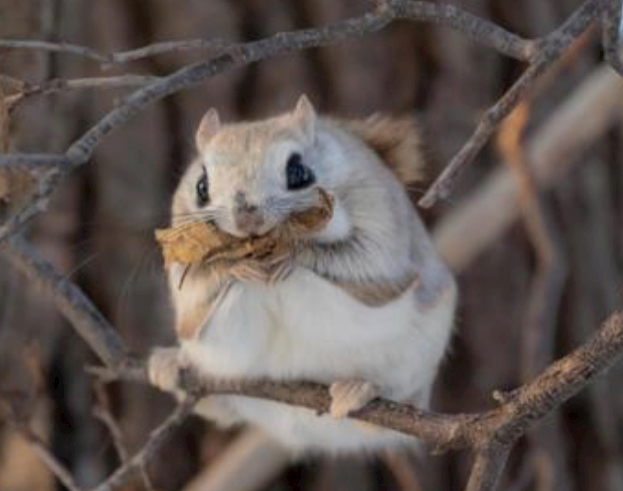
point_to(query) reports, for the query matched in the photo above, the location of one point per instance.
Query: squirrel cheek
(338, 228)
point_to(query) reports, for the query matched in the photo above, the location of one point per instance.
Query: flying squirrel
(364, 304)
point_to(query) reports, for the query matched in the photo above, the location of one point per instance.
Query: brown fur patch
(396, 140)
(377, 293)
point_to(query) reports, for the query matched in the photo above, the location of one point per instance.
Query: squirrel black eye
(202, 190)
(298, 175)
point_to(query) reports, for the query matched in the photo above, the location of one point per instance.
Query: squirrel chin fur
(365, 299)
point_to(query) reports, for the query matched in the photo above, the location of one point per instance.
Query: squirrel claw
(350, 395)
(163, 367)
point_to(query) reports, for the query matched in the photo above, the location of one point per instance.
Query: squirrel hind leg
(350, 395)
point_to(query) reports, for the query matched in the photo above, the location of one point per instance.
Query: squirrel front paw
(163, 368)
(350, 395)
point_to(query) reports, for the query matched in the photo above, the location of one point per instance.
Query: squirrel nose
(248, 218)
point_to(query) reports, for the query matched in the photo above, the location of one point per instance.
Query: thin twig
(530, 402)
(479, 30)
(546, 290)
(48, 459)
(62, 85)
(102, 412)
(54, 47)
(33, 160)
(551, 273)
(4, 123)
(403, 471)
(154, 442)
(487, 467)
(586, 114)
(71, 301)
(610, 24)
(167, 47)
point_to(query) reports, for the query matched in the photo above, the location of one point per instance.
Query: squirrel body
(365, 305)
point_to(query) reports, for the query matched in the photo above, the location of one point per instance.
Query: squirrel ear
(208, 127)
(304, 115)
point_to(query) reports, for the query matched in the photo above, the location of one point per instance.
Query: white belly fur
(305, 328)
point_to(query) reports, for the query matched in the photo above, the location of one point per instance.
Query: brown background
(99, 228)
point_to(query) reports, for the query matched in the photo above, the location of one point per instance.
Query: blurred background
(99, 231)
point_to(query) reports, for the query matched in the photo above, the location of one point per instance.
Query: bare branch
(63, 85)
(155, 49)
(154, 442)
(479, 30)
(504, 425)
(46, 456)
(547, 287)
(487, 467)
(70, 300)
(102, 412)
(33, 160)
(529, 403)
(520, 409)
(54, 47)
(610, 22)
(539, 331)
(550, 48)
(592, 108)
(241, 54)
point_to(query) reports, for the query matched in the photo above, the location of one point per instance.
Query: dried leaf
(205, 242)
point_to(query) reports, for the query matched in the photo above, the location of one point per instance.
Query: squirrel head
(249, 177)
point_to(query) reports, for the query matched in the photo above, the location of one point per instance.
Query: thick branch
(523, 406)
(503, 425)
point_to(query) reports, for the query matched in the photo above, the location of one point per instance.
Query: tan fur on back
(396, 140)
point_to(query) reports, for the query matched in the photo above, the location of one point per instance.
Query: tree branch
(157, 437)
(487, 467)
(70, 300)
(478, 30)
(550, 48)
(538, 333)
(503, 425)
(27, 90)
(234, 55)
(610, 24)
